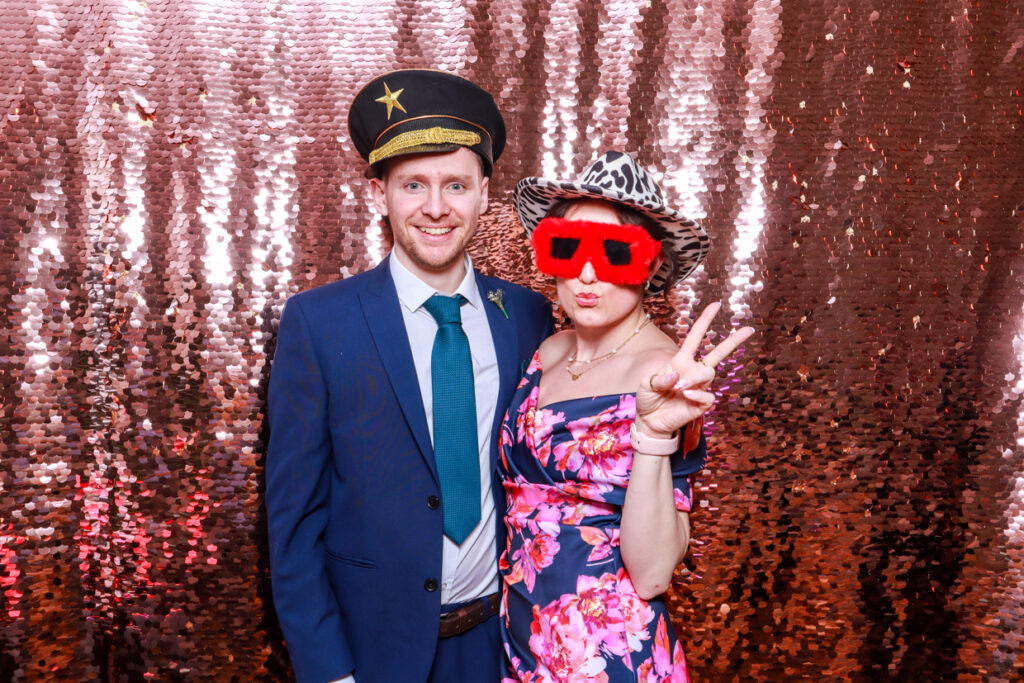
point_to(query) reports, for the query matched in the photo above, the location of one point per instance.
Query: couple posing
(452, 494)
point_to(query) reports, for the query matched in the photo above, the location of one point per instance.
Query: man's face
(433, 202)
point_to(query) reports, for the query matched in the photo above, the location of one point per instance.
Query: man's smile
(436, 232)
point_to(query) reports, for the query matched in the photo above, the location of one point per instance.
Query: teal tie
(456, 450)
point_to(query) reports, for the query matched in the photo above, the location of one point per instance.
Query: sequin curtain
(172, 171)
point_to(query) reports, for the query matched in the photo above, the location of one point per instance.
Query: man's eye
(457, 187)
(413, 186)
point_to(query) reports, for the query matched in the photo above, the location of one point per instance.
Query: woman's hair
(630, 216)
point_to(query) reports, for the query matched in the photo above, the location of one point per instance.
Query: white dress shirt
(470, 570)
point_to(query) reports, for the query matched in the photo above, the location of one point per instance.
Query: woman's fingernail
(672, 376)
(692, 394)
(681, 384)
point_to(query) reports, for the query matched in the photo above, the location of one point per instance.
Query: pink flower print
(534, 425)
(503, 605)
(534, 363)
(533, 367)
(522, 498)
(603, 542)
(569, 503)
(636, 613)
(597, 453)
(525, 417)
(542, 508)
(545, 421)
(571, 512)
(562, 648)
(598, 449)
(598, 602)
(591, 491)
(603, 615)
(605, 454)
(530, 504)
(511, 575)
(660, 651)
(516, 665)
(684, 502)
(534, 555)
(660, 667)
(540, 424)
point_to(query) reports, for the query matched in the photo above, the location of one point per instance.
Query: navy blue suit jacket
(355, 549)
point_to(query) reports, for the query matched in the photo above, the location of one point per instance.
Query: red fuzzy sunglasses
(620, 254)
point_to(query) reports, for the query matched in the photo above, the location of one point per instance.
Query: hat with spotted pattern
(616, 177)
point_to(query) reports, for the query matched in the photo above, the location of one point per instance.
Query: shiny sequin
(170, 172)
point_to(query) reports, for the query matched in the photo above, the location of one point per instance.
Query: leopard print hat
(617, 178)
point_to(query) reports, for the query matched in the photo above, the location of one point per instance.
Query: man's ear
(378, 187)
(483, 194)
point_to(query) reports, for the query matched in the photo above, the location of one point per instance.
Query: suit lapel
(383, 313)
(506, 348)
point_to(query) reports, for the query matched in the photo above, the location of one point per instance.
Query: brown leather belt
(457, 622)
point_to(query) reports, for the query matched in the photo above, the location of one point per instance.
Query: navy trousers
(476, 656)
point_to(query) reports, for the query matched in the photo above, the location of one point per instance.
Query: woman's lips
(586, 300)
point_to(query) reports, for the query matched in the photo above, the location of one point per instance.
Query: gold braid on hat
(414, 139)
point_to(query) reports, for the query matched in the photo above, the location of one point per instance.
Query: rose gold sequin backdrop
(172, 171)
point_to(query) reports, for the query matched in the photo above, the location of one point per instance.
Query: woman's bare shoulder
(556, 347)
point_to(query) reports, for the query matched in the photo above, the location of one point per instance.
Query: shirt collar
(413, 292)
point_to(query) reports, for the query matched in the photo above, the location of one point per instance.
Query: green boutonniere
(495, 296)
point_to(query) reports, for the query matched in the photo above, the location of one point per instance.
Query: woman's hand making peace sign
(680, 391)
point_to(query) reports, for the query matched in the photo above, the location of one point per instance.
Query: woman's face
(589, 302)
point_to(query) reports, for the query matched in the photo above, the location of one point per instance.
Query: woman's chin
(588, 317)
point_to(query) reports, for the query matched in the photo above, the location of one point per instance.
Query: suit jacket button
(433, 502)
(430, 585)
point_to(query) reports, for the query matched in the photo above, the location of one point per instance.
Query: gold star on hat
(391, 99)
(438, 112)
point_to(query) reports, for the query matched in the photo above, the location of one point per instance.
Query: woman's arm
(655, 534)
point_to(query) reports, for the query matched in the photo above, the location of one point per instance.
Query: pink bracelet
(652, 445)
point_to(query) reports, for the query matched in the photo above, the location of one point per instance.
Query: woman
(602, 436)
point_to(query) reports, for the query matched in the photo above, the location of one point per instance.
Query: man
(384, 552)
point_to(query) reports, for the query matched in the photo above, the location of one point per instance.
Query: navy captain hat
(412, 111)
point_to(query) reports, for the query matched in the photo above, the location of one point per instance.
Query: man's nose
(435, 205)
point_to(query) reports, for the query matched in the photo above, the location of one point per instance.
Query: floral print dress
(569, 611)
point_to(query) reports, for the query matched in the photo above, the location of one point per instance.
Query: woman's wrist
(652, 445)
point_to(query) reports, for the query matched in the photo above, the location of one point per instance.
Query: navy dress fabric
(569, 611)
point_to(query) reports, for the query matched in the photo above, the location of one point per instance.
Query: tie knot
(445, 309)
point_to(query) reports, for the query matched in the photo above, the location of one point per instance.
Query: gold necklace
(593, 362)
